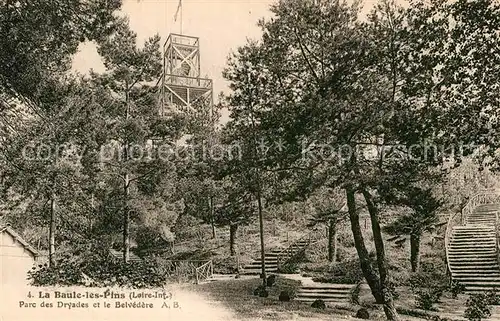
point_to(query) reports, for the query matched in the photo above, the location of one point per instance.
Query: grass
(237, 295)
(197, 243)
(447, 307)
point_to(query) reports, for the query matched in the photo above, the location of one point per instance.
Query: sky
(221, 25)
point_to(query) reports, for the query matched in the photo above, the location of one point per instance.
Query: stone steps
(325, 292)
(258, 271)
(472, 251)
(478, 249)
(476, 272)
(478, 278)
(474, 288)
(471, 248)
(474, 268)
(473, 235)
(478, 242)
(271, 259)
(472, 257)
(477, 262)
(472, 254)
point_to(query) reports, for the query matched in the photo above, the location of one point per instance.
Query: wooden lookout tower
(182, 88)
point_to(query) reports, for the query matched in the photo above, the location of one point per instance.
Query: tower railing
(188, 81)
(176, 38)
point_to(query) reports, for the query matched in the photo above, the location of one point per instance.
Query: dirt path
(16, 305)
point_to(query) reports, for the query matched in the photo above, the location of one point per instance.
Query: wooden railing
(460, 218)
(312, 237)
(452, 222)
(185, 270)
(497, 236)
(481, 198)
(204, 272)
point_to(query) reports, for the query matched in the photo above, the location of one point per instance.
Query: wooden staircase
(276, 257)
(471, 240)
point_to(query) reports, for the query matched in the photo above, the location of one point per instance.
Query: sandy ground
(22, 303)
(16, 305)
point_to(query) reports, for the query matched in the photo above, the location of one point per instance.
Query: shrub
(363, 314)
(101, 268)
(271, 280)
(196, 254)
(414, 313)
(263, 293)
(286, 285)
(392, 289)
(354, 295)
(284, 296)
(428, 288)
(426, 299)
(477, 307)
(316, 267)
(341, 254)
(456, 288)
(346, 272)
(349, 270)
(429, 280)
(492, 297)
(319, 304)
(226, 265)
(186, 227)
(257, 290)
(438, 318)
(150, 238)
(289, 268)
(421, 315)
(65, 274)
(174, 270)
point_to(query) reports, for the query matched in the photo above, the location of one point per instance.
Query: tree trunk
(359, 242)
(415, 251)
(262, 246)
(52, 231)
(126, 182)
(126, 222)
(212, 219)
(259, 194)
(332, 240)
(92, 213)
(389, 307)
(233, 228)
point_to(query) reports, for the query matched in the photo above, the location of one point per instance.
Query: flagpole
(179, 8)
